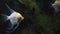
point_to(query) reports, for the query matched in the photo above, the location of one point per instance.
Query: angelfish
(56, 6)
(15, 18)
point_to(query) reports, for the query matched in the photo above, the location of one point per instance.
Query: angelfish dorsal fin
(11, 10)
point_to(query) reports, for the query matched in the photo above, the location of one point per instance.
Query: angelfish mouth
(21, 17)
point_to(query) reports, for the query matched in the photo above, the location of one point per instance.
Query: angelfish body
(14, 17)
(14, 20)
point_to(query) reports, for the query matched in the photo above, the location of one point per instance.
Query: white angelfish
(14, 18)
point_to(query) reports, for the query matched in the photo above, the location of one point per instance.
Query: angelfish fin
(8, 7)
(3, 17)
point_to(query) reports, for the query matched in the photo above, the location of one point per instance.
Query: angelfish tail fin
(3, 17)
